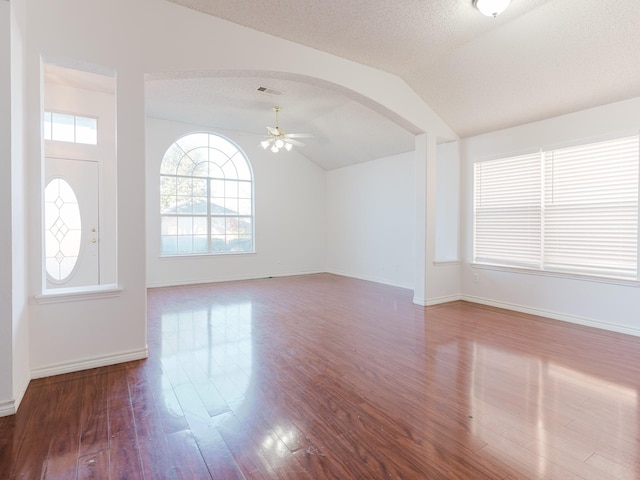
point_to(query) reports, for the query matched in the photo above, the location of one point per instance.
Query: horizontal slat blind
(591, 209)
(571, 210)
(507, 221)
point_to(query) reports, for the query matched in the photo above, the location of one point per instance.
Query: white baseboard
(7, 408)
(367, 278)
(229, 278)
(436, 301)
(181, 283)
(587, 322)
(22, 389)
(10, 407)
(87, 363)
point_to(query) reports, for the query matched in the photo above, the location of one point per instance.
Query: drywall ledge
(78, 294)
(446, 263)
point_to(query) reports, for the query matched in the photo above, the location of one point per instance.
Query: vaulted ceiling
(539, 59)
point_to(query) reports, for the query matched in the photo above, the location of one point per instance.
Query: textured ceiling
(345, 130)
(539, 59)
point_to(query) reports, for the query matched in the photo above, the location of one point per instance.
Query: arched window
(206, 197)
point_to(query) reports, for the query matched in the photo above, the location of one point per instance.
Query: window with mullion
(572, 210)
(507, 212)
(591, 209)
(206, 197)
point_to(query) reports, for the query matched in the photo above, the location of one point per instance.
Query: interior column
(425, 188)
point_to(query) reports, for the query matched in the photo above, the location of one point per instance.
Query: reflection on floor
(321, 376)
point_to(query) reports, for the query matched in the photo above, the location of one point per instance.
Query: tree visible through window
(206, 197)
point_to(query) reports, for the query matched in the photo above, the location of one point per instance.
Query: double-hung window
(571, 210)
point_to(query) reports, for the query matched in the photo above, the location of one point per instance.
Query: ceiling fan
(278, 139)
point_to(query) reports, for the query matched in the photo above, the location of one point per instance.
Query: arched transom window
(206, 197)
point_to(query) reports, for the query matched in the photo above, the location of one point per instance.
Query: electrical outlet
(475, 278)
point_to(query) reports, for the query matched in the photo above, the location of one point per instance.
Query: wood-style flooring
(325, 377)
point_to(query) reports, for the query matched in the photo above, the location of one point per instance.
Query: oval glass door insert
(63, 230)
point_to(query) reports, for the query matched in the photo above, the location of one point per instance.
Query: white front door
(65, 236)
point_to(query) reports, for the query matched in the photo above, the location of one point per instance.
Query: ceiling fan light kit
(491, 8)
(277, 139)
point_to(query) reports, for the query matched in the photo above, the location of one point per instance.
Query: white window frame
(49, 130)
(212, 164)
(521, 217)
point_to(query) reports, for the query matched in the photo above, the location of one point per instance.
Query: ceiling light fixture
(491, 8)
(277, 139)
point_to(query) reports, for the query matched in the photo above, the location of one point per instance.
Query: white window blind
(591, 208)
(507, 211)
(571, 210)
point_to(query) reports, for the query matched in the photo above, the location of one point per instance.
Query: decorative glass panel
(63, 229)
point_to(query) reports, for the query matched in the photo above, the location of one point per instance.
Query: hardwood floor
(324, 377)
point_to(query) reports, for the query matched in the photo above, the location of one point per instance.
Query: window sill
(446, 263)
(203, 255)
(76, 294)
(546, 273)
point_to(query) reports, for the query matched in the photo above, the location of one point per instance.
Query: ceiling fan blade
(293, 142)
(299, 135)
(278, 138)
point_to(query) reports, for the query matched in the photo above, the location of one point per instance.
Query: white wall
(595, 303)
(131, 39)
(448, 202)
(289, 198)
(371, 220)
(19, 203)
(97, 328)
(14, 329)
(6, 302)
(442, 269)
